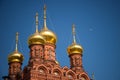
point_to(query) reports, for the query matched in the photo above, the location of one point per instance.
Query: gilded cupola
(74, 48)
(50, 37)
(36, 38)
(15, 56)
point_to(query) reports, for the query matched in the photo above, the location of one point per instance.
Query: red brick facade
(46, 68)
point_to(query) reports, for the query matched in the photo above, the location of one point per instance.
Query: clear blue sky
(97, 27)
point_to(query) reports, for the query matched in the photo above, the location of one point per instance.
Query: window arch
(84, 76)
(57, 72)
(71, 74)
(42, 69)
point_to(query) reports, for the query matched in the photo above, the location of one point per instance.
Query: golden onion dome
(36, 38)
(49, 36)
(15, 57)
(74, 48)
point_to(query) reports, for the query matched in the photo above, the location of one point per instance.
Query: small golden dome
(74, 48)
(49, 36)
(15, 57)
(36, 38)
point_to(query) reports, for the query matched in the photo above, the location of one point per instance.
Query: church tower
(15, 62)
(36, 42)
(75, 54)
(42, 46)
(50, 42)
(36, 46)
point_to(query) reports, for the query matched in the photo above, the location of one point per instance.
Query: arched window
(56, 73)
(70, 76)
(82, 78)
(41, 70)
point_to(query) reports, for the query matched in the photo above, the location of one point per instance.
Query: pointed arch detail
(42, 68)
(57, 71)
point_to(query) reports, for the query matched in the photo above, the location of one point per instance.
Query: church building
(42, 64)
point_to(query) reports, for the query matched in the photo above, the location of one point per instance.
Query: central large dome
(48, 35)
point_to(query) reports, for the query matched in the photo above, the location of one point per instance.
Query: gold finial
(73, 32)
(45, 26)
(16, 48)
(36, 21)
